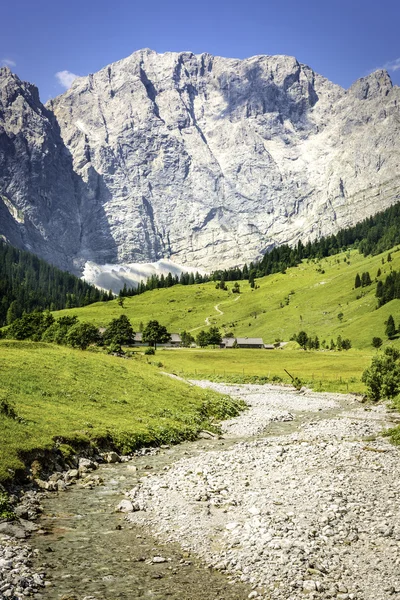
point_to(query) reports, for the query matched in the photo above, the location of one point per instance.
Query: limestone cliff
(204, 160)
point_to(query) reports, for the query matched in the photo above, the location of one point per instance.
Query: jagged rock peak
(205, 160)
(376, 84)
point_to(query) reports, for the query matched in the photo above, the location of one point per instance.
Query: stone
(227, 158)
(112, 457)
(158, 559)
(13, 530)
(309, 586)
(86, 465)
(125, 506)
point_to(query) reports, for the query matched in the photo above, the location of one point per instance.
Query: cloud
(65, 78)
(393, 65)
(7, 62)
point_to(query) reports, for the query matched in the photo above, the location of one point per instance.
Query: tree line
(28, 283)
(308, 342)
(41, 326)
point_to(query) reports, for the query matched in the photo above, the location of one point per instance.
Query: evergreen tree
(214, 336)
(357, 282)
(202, 339)
(236, 288)
(302, 339)
(366, 279)
(390, 327)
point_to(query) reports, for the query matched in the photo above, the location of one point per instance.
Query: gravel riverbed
(312, 512)
(299, 500)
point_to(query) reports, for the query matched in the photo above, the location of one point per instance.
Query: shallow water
(88, 549)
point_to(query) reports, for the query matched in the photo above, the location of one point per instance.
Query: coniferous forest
(28, 283)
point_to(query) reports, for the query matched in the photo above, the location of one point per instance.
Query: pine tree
(357, 282)
(390, 327)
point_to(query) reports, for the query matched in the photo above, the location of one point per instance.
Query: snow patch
(113, 277)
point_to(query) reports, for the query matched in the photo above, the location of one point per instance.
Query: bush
(115, 349)
(149, 351)
(377, 342)
(82, 335)
(6, 512)
(30, 326)
(382, 377)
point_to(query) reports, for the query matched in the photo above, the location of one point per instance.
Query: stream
(91, 552)
(88, 550)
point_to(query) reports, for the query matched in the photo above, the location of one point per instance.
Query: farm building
(174, 341)
(241, 342)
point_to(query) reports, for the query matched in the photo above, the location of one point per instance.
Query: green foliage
(377, 342)
(57, 332)
(119, 331)
(382, 377)
(154, 333)
(149, 351)
(390, 327)
(302, 339)
(187, 339)
(214, 336)
(6, 511)
(202, 339)
(28, 283)
(365, 279)
(389, 289)
(221, 285)
(82, 335)
(115, 348)
(30, 326)
(236, 288)
(357, 282)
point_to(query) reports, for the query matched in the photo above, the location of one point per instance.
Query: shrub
(382, 377)
(82, 335)
(115, 348)
(377, 342)
(6, 512)
(149, 351)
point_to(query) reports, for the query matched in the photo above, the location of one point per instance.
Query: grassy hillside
(74, 397)
(308, 297)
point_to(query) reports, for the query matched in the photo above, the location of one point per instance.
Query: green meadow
(317, 296)
(324, 370)
(53, 395)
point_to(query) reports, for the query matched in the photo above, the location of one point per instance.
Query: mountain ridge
(203, 160)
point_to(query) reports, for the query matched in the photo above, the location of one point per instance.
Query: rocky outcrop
(204, 160)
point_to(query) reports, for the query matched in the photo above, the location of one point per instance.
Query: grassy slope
(314, 307)
(74, 395)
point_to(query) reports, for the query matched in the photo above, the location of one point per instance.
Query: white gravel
(313, 513)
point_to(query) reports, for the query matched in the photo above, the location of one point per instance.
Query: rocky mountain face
(203, 160)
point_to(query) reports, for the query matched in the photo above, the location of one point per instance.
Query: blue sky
(342, 40)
